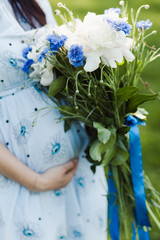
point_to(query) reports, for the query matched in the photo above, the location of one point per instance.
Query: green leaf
(137, 100)
(110, 148)
(122, 154)
(67, 110)
(57, 86)
(125, 93)
(93, 169)
(98, 149)
(103, 133)
(109, 154)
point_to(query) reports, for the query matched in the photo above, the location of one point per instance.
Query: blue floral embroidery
(29, 230)
(13, 62)
(62, 237)
(9, 61)
(101, 222)
(10, 67)
(81, 182)
(77, 234)
(55, 149)
(58, 193)
(22, 131)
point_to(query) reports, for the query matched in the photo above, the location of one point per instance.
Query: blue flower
(144, 24)
(115, 10)
(42, 54)
(62, 40)
(120, 25)
(26, 51)
(27, 65)
(56, 42)
(76, 55)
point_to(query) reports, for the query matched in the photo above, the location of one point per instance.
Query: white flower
(121, 3)
(146, 6)
(154, 32)
(111, 15)
(33, 53)
(37, 69)
(47, 75)
(63, 29)
(43, 72)
(57, 12)
(59, 4)
(100, 42)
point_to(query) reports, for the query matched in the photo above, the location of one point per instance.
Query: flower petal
(47, 77)
(92, 62)
(114, 53)
(128, 55)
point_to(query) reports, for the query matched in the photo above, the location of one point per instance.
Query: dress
(78, 211)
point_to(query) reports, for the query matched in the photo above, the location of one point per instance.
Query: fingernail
(75, 160)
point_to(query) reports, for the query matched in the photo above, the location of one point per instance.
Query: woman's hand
(56, 177)
(52, 179)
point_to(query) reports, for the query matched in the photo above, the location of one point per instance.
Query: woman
(45, 191)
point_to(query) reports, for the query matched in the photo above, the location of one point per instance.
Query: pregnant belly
(45, 144)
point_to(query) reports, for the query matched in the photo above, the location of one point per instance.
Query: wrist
(37, 185)
(41, 183)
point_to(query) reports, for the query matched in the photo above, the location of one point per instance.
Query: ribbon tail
(143, 235)
(137, 177)
(113, 209)
(134, 232)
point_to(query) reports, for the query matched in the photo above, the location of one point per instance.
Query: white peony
(63, 30)
(100, 42)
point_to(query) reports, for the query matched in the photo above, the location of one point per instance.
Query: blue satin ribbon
(113, 213)
(141, 213)
(135, 152)
(143, 235)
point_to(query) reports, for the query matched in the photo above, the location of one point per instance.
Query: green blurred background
(150, 135)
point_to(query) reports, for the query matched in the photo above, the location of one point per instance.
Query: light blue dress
(78, 211)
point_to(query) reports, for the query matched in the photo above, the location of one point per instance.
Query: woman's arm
(54, 178)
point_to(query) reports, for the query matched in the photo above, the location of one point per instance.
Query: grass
(150, 135)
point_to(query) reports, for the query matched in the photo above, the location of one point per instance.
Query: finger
(71, 173)
(70, 165)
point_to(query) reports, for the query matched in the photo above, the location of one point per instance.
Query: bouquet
(91, 69)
